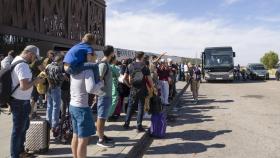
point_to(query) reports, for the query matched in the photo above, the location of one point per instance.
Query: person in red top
(164, 78)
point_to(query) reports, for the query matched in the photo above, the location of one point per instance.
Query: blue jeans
(136, 99)
(82, 121)
(53, 108)
(21, 110)
(86, 66)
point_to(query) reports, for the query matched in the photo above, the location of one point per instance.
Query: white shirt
(81, 85)
(186, 68)
(21, 72)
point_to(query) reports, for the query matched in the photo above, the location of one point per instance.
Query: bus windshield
(219, 59)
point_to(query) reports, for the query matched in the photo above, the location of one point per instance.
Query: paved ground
(124, 139)
(232, 120)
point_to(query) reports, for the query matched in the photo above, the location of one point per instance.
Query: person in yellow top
(42, 87)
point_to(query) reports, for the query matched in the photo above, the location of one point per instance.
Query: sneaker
(104, 144)
(140, 130)
(109, 140)
(126, 126)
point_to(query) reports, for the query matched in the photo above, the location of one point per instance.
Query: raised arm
(161, 55)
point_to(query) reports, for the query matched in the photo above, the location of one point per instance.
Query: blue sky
(185, 27)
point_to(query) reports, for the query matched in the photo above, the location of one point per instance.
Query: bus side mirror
(202, 54)
(234, 54)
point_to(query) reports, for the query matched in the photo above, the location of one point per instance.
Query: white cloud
(165, 32)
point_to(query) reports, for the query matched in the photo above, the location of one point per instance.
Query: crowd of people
(76, 83)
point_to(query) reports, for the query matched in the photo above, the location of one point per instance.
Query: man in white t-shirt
(20, 103)
(186, 70)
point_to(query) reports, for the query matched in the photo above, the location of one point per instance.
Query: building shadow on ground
(188, 113)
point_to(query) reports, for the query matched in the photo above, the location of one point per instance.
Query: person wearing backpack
(22, 85)
(137, 72)
(195, 77)
(55, 77)
(105, 100)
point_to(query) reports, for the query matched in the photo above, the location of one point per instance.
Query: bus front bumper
(219, 76)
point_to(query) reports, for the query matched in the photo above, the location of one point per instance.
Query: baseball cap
(33, 49)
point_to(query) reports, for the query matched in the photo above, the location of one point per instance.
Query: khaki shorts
(195, 85)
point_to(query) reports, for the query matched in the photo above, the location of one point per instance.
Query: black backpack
(137, 76)
(6, 83)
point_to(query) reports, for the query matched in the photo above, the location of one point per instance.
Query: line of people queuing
(66, 81)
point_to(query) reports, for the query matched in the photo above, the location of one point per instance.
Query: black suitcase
(38, 137)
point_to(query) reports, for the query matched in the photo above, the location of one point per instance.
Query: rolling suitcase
(38, 137)
(158, 125)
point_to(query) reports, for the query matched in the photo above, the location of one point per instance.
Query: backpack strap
(107, 69)
(16, 63)
(12, 68)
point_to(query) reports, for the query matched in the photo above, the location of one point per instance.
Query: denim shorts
(103, 106)
(82, 121)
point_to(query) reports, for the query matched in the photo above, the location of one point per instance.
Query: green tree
(270, 59)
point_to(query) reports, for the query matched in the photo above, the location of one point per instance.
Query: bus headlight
(231, 75)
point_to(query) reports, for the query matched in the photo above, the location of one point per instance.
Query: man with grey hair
(20, 103)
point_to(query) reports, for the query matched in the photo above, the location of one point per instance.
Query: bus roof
(218, 48)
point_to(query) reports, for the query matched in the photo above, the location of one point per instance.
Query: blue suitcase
(158, 125)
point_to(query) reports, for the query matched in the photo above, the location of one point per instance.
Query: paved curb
(145, 140)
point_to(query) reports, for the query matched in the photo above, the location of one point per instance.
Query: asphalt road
(232, 120)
